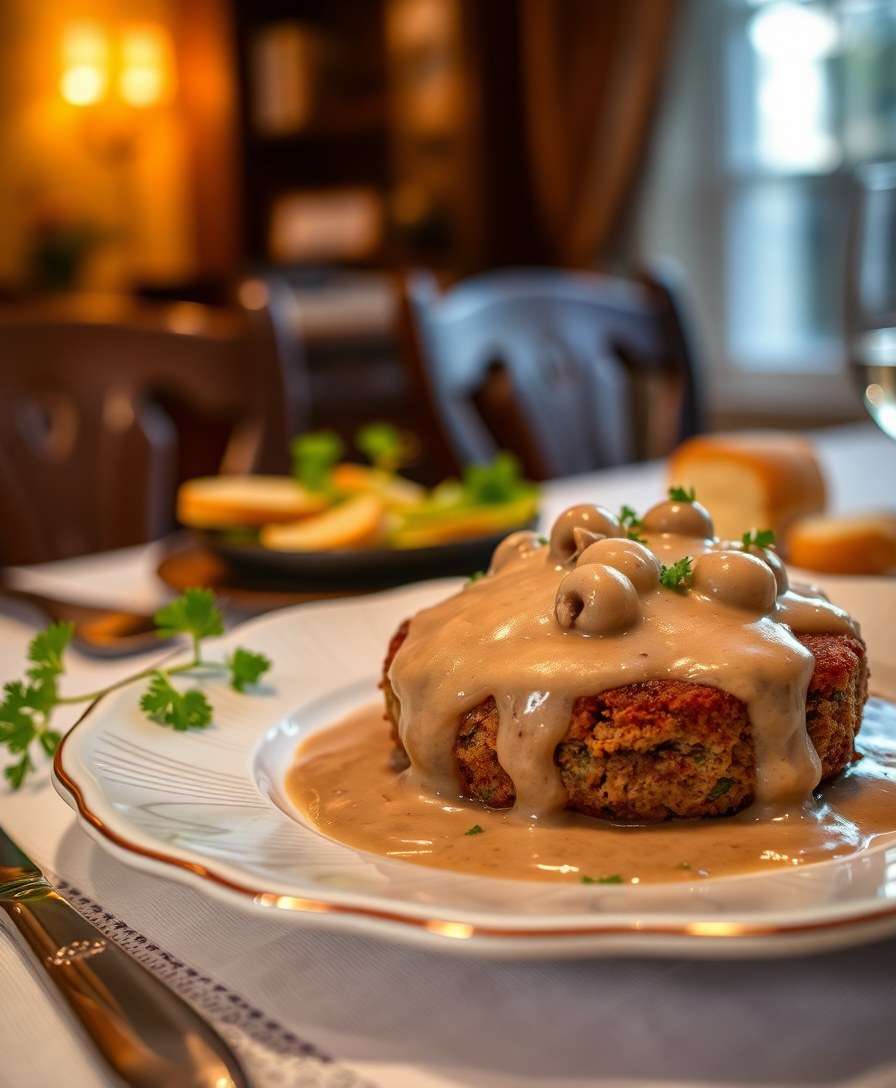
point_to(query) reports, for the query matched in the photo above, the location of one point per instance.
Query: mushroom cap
(682, 518)
(735, 578)
(514, 547)
(596, 600)
(565, 543)
(637, 563)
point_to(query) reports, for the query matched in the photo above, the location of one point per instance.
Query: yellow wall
(56, 155)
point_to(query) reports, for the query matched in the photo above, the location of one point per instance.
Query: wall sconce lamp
(133, 67)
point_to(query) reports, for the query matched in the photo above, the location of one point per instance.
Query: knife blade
(144, 1031)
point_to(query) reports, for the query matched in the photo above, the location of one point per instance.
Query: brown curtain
(592, 73)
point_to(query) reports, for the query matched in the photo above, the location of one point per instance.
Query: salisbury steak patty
(662, 748)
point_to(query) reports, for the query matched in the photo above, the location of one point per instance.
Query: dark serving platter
(359, 566)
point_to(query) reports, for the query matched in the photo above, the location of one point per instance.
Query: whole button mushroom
(737, 579)
(775, 562)
(566, 544)
(514, 547)
(682, 518)
(596, 600)
(637, 563)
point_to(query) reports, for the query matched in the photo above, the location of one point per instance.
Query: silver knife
(146, 1033)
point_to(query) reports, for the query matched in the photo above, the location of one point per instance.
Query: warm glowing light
(85, 65)
(146, 69)
(82, 85)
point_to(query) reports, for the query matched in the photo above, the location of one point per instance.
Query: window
(811, 92)
(770, 105)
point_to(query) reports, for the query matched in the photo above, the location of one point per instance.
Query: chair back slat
(103, 411)
(571, 371)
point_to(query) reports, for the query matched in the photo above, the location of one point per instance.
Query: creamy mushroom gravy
(584, 613)
(344, 783)
(551, 623)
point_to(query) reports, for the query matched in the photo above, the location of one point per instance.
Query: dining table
(314, 1007)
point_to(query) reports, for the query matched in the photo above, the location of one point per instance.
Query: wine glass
(871, 301)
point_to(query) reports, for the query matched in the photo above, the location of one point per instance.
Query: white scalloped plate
(209, 808)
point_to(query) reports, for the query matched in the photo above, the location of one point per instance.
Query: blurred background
(172, 163)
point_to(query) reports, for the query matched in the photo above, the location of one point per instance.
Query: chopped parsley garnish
(757, 538)
(475, 576)
(720, 788)
(475, 830)
(675, 576)
(613, 878)
(631, 523)
(542, 540)
(682, 494)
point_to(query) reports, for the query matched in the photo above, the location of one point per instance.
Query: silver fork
(145, 1032)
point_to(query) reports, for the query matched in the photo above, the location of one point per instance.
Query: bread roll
(856, 544)
(756, 480)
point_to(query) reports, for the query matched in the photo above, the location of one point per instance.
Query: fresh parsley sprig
(682, 494)
(757, 538)
(676, 575)
(27, 705)
(631, 523)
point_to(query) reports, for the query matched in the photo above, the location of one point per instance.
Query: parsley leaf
(682, 494)
(757, 538)
(194, 613)
(495, 482)
(47, 647)
(475, 830)
(246, 668)
(720, 789)
(385, 446)
(613, 878)
(24, 713)
(631, 523)
(164, 704)
(313, 456)
(674, 577)
(475, 576)
(16, 772)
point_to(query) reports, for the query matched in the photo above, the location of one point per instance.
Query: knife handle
(147, 1034)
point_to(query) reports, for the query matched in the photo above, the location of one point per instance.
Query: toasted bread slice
(851, 544)
(355, 523)
(220, 502)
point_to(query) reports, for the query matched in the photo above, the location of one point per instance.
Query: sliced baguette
(220, 502)
(355, 523)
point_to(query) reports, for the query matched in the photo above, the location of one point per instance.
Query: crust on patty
(662, 748)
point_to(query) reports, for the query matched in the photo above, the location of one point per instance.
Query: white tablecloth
(401, 1018)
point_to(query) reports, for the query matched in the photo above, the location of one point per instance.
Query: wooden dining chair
(570, 371)
(106, 405)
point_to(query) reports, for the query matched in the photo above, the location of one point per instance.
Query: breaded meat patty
(662, 748)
